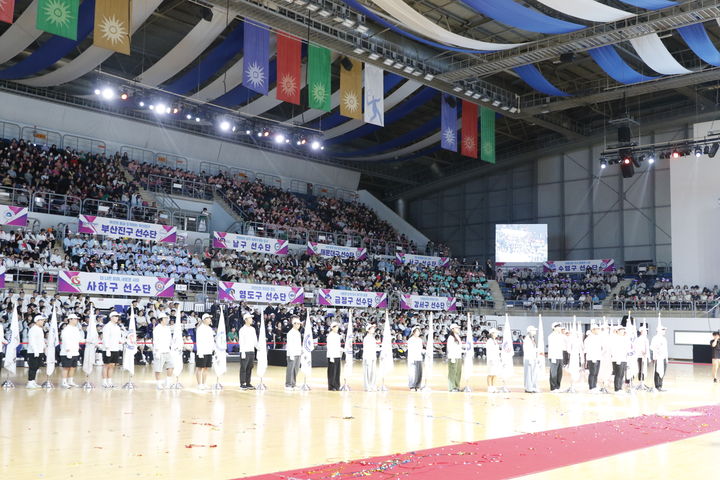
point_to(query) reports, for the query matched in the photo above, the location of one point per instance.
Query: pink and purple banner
(428, 261)
(351, 298)
(424, 302)
(580, 266)
(257, 293)
(326, 250)
(2, 277)
(248, 243)
(13, 216)
(115, 284)
(117, 228)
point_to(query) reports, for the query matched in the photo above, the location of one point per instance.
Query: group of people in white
(612, 356)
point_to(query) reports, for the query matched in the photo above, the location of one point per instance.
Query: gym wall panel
(550, 199)
(549, 169)
(577, 197)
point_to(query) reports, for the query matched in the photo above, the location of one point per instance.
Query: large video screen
(521, 243)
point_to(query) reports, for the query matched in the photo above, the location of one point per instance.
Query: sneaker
(73, 384)
(32, 384)
(289, 388)
(160, 386)
(714, 380)
(249, 387)
(66, 385)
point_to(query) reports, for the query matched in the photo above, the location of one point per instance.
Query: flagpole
(87, 385)
(262, 336)
(7, 384)
(348, 337)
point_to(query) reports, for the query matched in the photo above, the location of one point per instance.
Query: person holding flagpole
(35, 349)
(308, 345)
(454, 356)
(177, 347)
(219, 362)
(205, 343)
(91, 341)
(334, 356)
(386, 352)
(293, 350)
(659, 350)
(530, 359)
(642, 350)
(349, 352)
(494, 362)
(415, 359)
(112, 343)
(129, 350)
(593, 356)
(162, 356)
(10, 360)
(70, 351)
(247, 341)
(369, 358)
(469, 354)
(556, 343)
(507, 351)
(429, 353)
(262, 360)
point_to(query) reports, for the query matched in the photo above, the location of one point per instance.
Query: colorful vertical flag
(448, 123)
(256, 59)
(130, 346)
(112, 25)
(386, 353)
(7, 7)
(59, 17)
(487, 135)
(10, 363)
(351, 88)
(374, 95)
(319, 78)
(91, 341)
(308, 346)
(289, 58)
(469, 146)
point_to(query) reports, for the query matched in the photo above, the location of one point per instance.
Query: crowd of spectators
(649, 293)
(25, 254)
(557, 291)
(467, 283)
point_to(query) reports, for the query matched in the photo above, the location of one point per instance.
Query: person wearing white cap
(454, 355)
(334, 356)
(659, 349)
(494, 362)
(369, 358)
(620, 347)
(162, 357)
(415, 359)
(205, 346)
(112, 344)
(35, 349)
(642, 350)
(593, 356)
(70, 339)
(530, 360)
(556, 346)
(293, 350)
(247, 340)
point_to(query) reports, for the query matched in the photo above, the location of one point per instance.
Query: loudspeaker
(713, 149)
(568, 57)
(624, 135)
(346, 63)
(206, 13)
(627, 163)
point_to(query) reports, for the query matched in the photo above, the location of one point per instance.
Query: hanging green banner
(487, 135)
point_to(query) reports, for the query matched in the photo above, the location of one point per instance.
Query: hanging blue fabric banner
(400, 141)
(650, 4)
(448, 123)
(612, 63)
(210, 64)
(699, 42)
(519, 16)
(54, 48)
(532, 76)
(256, 57)
(241, 94)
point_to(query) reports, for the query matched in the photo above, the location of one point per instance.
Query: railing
(682, 305)
(104, 208)
(9, 130)
(177, 186)
(18, 197)
(551, 305)
(191, 221)
(56, 204)
(84, 144)
(40, 136)
(141, 213)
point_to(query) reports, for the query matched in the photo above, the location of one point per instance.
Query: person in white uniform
(415, 359)
(454, 356)
(369, 358)
(247, 341)
(556, 347)
(293, 349)
(659, 350)
(494, 362)
(35, 349)
(334, 356)
(530, 360)
(112, 345)
(162, 357)
(620, 348)
(593, 356)
(205, 346)
(70, 339)
(642, 351)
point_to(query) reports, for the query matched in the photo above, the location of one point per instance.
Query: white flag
(262, 362)
(11, 351)
(429, 349)
(220, 361)
(507, 350)
(178, 343)
(386, 353)
(307, 347)
(659, 362)
(374, 95)
(53, 340)
(540, 344)
(469, 350)
(632, 363)
(91, 342)
(349, 338)
(130, 346)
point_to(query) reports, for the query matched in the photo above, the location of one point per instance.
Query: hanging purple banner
(408, 259)
(256, 58)
(351, 298)
(248, 243)
(325, 250)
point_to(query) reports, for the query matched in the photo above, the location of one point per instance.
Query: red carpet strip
(522, 454)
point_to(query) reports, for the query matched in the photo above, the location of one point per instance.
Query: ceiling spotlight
(108, 93)
(324, 13)
(160, 108)
(168, 109)
(496, 103)
(603, 164)
(698, 152)
(197, 119)
(97, 91)
(260, 134)
(188, 116)
(374, 56)
(248, 132)
(358, 50)
(675, 154)
(713, 150)
(651, 159)
(124, 95)
(234, 128)
(224, 125)
(141, 103)
(627, 160)
(429, 76)
(266, 133)
(457, 89)
(348, 23)
(279, 138)
(315, 145)
(175, 110)
(388, 61)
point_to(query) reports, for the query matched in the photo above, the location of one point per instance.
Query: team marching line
(615, 356)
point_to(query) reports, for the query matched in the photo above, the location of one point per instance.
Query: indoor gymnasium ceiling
(529, 120)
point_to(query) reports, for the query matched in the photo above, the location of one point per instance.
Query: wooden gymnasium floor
(151, 434)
